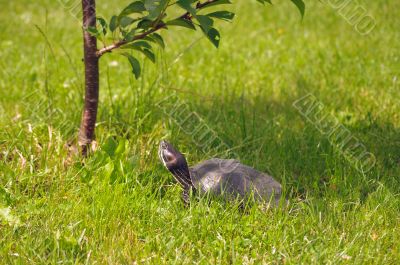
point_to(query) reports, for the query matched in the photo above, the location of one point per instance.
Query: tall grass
(121, 206)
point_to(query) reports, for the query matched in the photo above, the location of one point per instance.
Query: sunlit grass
(121, 206)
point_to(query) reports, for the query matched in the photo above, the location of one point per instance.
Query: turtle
(227, 178)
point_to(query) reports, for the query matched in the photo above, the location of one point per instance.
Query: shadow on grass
(267, 133)
(273, 137)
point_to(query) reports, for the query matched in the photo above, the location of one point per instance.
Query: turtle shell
(230, 178)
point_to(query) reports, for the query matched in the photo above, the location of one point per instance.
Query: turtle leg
(186, 197)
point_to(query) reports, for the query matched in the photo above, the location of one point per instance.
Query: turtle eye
(163, 145)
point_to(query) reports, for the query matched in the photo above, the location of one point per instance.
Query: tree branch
(144, 34)
(123, 42)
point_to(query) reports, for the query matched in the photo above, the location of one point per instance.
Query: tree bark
(91, 61)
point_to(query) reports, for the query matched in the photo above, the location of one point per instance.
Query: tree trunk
(87, 128)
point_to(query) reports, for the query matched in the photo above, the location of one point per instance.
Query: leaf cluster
(133, 30)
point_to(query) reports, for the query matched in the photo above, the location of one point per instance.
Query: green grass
(121, 206)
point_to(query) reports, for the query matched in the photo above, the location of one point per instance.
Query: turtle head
(175, 162)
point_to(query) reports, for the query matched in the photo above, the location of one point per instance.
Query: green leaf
(103, 24)
(126, 21)
(159, 42)
(155, 8)
(114, 23)
(149, 54)
(130, 35)
(224, 15)
(181, 22)
(143, 47)
(214, 36)
(93, 31)
(136, 70)
(158, 39)
(134, 7)
(206, 23)
(264, 1)
(122, 144)
(145, 24)
(300, 5)
(220, 2)
(137, 45)
(107, 170)
(109, 146)
(187, 5)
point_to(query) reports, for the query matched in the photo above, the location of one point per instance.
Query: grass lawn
(120, 206)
